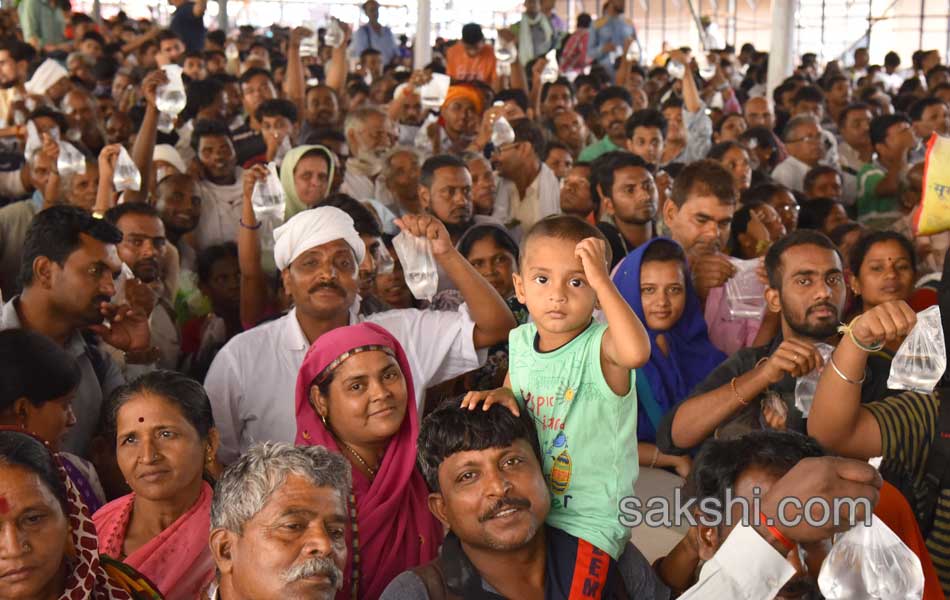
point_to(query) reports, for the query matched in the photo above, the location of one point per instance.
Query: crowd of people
(350, 334)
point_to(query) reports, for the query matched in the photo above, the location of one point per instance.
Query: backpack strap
(433, 578)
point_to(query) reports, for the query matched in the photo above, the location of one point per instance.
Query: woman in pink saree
(165, 439)
(355, 396)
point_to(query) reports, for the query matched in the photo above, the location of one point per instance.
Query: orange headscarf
(466, 92)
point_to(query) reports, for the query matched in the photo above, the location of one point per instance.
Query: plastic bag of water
(676, 69)
(334, 35)
(922, 358)
(745, 294)
(502, 132)
(127, 176)
(871, 563)
(384, 261)
(806, 385)
(415, 255)
(634, 53)
(125, 275)
(70, 161)
(268, 197)
(166, 122)
(33, 140)
(170, 98)
(549, 73)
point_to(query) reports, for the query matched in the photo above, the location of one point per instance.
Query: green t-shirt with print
(587, 433)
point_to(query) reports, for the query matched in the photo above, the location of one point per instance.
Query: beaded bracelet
(251, 227)
(849, 330)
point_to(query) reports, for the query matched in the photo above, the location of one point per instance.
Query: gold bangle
(656, 456)
(735, 391)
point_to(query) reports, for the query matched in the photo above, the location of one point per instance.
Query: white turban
(45, 77)
(311, 228)
(168, 153)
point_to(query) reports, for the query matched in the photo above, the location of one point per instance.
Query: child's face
(553, 286)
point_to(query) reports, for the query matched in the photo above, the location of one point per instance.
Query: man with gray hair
(370, 134)
(398, 184)
(802, 139)
(278, 524)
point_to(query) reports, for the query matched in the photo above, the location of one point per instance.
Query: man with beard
(318, 253)
(219, 185)
(614, 106)
(67, 273)
(483, 468)
(457, 127)
(179, 206)
(629, 198)
(369, 134)
(14, 61)
(406, 111)
(529, 190)
(445, 192)
(143, 248)
(279, 521)
(398, 185)
(484, 183)
(321, 109)
(571, 130)
(756, 386)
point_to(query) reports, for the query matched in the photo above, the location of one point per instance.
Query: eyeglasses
(807, 139)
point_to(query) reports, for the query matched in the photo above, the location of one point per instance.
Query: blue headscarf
(666, 380)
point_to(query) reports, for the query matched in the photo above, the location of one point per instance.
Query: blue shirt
(383, 40)
(190, 29)
(614, 29)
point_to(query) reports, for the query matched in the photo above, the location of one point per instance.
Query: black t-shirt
(248, 144)
(188, 27)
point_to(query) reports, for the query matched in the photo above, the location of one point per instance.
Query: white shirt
(791, 173)
(361, 187)
(220, 211)
(252, 380)
(745, 567)
(542, 198)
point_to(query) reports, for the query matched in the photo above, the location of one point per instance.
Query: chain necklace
(356, 455)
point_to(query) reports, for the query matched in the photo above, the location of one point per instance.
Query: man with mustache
(279, 523)
(67, 273)
(483, 468)
(614, 106)
(321, 109)
(144, 248)
(318, 253)
(528, 190)
(370, 135)
(755, 387)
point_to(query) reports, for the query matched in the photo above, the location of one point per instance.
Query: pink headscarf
(396, 530)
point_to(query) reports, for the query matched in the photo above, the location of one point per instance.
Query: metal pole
(870, 23)
(223, 15)
(422, 49)
(920, 39)
(824, 6)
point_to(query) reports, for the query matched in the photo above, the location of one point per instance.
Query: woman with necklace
(354, 395)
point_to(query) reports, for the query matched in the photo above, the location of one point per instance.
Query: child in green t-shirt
(576, 378)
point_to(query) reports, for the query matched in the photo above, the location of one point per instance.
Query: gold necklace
(356, 455)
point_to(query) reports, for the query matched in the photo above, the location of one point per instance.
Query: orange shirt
(462, 67)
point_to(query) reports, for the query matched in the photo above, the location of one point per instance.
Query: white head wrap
(311, 228)
(45, 76)
(168, 153)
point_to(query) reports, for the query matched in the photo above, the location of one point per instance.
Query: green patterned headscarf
(294, 204)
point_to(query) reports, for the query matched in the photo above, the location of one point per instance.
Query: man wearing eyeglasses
(802, 139)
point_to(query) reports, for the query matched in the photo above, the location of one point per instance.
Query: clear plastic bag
(806, 385)
(125, 275)
(415, 256)
(33, 140)
(70, 161)
(633, 52)
(434, 92)
(871, 563)
(166, 122)
(170, 98)
(922, 359)
(384, 261)
(549, 73)
(501, 132)
(127, 176)
(269, 204)
(334, 34)
(745, 294)
(676, 69)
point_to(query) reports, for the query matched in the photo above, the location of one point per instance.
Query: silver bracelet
(843, 376)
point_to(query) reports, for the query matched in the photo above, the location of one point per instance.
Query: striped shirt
(908, 425)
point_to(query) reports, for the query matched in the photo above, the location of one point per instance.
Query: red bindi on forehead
(141, 419)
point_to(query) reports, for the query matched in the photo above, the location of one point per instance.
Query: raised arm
(698, 417)
(105, 193)
(837, 419)
(143, 150)
(253, 280)
(493, 318)
(336, 70)
(295, 83)
(199, 8)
